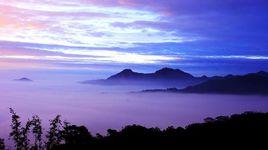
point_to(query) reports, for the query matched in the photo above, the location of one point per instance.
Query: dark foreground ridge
(239, 130)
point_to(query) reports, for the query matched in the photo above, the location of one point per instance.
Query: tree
(2, 144)
(24, 135)
(16, 133)
(76, 135)
(54, 135)
(37, 131)
(20, 134)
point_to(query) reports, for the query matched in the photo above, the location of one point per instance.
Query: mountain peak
(24, 79)
(172, 73)
(127, 71)
(165, 76)
(262, 73)
(168, 70)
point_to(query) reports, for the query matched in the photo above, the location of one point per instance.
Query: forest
(241, 130)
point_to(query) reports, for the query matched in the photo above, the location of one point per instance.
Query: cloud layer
(131, 33)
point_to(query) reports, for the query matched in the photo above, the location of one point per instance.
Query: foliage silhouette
(243, 130)
(37, 131)
(20, 135)
(16, 133)
(2, 144)
(55, 133)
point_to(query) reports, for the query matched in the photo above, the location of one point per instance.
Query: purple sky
(202, 37)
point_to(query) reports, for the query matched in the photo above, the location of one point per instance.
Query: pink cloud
(11, 17)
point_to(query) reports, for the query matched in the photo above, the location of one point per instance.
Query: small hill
(24, 80)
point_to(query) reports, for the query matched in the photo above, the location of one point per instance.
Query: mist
(102, 107)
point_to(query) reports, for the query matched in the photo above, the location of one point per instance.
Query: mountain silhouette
(253, 83)
(126, 74)
(164, 76)
(24, 79)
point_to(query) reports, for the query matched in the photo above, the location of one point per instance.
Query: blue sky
(202, 37)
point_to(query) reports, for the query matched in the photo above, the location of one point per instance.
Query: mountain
(253, 83)
(164, 76)
(24, 79)
(126, 74)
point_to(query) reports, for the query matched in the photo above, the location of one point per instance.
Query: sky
(202, 37)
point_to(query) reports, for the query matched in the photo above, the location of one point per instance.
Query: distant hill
(253, 83)
(24, 80)
(164, 76)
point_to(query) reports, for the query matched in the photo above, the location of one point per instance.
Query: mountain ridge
(252, 83)
(165, 75)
